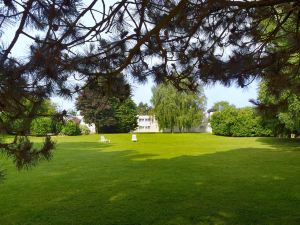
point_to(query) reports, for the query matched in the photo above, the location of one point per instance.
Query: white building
(147, 124)
(91, 126)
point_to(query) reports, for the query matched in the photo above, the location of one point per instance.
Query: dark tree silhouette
(97, 99)
(211, 40)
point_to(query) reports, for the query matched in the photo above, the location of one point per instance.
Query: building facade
(148, 123)
(91, 126)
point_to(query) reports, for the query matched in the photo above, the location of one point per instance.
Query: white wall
(149, 124)
(91, 126)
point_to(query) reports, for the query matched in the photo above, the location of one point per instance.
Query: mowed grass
(179, 179)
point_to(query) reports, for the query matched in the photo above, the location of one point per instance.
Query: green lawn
(165, 179)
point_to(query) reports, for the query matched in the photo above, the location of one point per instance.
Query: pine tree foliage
(211, 40)
(280, 113)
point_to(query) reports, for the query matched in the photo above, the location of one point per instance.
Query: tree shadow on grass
(282, 144)
(240, 186)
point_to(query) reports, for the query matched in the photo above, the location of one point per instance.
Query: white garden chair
(134, 138)
(104, 140)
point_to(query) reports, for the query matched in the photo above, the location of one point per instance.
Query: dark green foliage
(106, 103)
(249, 124)
(42, 126)
(70, 128)
(243, 122)
(23, 153)
(280, 113)
(120, 118)
(32, 119)
(10, 126)
(126, 116)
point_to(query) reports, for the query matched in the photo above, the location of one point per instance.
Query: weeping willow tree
(177, 109)
(68, 40)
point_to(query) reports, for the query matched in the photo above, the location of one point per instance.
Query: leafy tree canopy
(281, 113)
(107, 105)
(173, 108)
(144, 109)
(243, 122)
(218, 106)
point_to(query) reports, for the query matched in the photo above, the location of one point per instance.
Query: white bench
(134, 138)
(104, 140)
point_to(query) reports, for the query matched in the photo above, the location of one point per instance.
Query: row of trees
(183, 110)
(173, 109)
(117, 113)
(272, 116)
(48, 123)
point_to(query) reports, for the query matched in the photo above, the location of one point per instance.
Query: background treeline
(268, 118)
(48, 122)
(238, 122)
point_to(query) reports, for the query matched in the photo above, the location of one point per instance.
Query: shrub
(58, 126)
(222, 121)
(70, 128)
(242, 122)
(41, 126)
(84, 129)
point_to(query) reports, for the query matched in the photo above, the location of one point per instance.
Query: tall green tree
(125, 114)
(112, 116)
(180, 109)
(144, 109)
(280, 113)
(107, 104)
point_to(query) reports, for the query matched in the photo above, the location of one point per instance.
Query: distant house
(72, 118)
(91, 126)
(80, 121)
(148, 123)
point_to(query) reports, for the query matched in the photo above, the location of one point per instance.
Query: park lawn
(179, 179)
